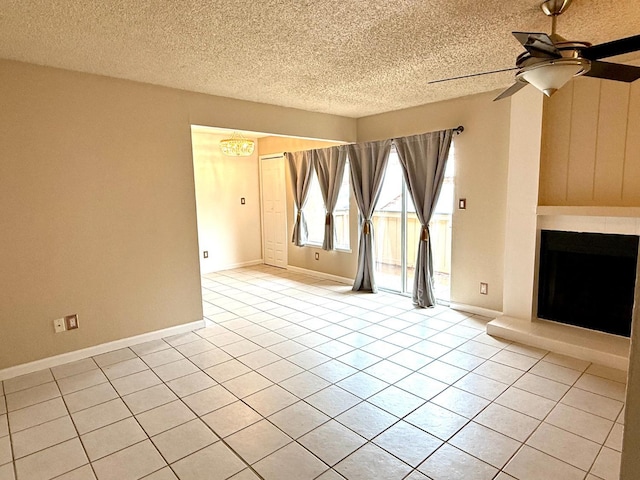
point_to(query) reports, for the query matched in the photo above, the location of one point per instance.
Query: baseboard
(63, 358)
(231, 266)
(325, 276)
(485, 312)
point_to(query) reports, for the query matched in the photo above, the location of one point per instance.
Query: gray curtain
(329, 164)
(368, 163)
(300, 169)
(423, 159)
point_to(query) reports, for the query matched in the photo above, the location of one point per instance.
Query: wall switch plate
(317, 256)
(462, 203)
(71, 322)
(484, 288)
(59, 325)
(205, 254)
(242, 202)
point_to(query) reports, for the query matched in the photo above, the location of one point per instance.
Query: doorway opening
(274, 205)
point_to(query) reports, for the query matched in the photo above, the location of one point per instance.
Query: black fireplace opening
(588, 279)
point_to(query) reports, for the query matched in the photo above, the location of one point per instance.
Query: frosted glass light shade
(237, 146)
(550, 77)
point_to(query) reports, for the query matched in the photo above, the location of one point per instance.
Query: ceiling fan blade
(473, 75)
(613, 71)
(611, 49)
(516, 87)
(538, 44)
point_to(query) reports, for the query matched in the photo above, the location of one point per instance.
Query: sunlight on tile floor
(300, 378)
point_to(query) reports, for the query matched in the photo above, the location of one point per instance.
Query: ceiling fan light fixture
(237, 146)
(549, 77)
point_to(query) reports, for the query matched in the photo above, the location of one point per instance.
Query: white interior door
(274, 215)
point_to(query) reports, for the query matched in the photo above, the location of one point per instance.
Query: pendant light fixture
(237, 146)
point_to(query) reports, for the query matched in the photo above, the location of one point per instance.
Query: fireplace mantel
(615, 220)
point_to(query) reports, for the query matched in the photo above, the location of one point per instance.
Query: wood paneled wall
(591, 145)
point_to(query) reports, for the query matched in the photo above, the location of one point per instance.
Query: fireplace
(588, 279)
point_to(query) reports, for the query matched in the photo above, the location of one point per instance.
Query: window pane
(341, 213)
(315, 213)
(440, 227)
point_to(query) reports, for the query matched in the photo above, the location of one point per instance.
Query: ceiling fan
(550, 61)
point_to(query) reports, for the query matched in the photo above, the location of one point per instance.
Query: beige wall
(97, 203)
(480, 177)
(591, 146)
(228, 230)
(339, 263)
(97, 211)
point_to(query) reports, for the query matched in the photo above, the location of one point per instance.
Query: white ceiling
(345, 57)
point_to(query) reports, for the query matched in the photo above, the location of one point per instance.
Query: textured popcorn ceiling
(345, 57)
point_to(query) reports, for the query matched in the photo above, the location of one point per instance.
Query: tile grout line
(370, 441)
(606, 436)
(149, 438)
(400, 419)
(197, 417)
(359, 369)
(543, 421)
(13, 459)
(109, 380)
(538, 360)
(367, 441)
(76, 430)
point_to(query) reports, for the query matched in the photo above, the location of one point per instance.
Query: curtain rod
(458, 130)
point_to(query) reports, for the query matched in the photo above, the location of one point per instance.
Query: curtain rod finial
(459, 129)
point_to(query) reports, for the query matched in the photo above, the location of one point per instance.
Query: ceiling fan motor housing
(566, 49)
(554, 8)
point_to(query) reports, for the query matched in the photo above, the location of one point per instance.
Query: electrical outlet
(317, 255)
(484, 288)
(205, 254)
(71, 322)
(59, 325)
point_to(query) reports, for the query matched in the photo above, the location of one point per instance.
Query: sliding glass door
(397, 231)
(389, 226)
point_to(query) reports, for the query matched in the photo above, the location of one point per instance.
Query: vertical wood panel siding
(591, 145)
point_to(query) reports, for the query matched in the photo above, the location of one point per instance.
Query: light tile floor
(300, 378)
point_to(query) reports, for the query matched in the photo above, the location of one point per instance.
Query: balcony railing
(386, 226)
(388, 245)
